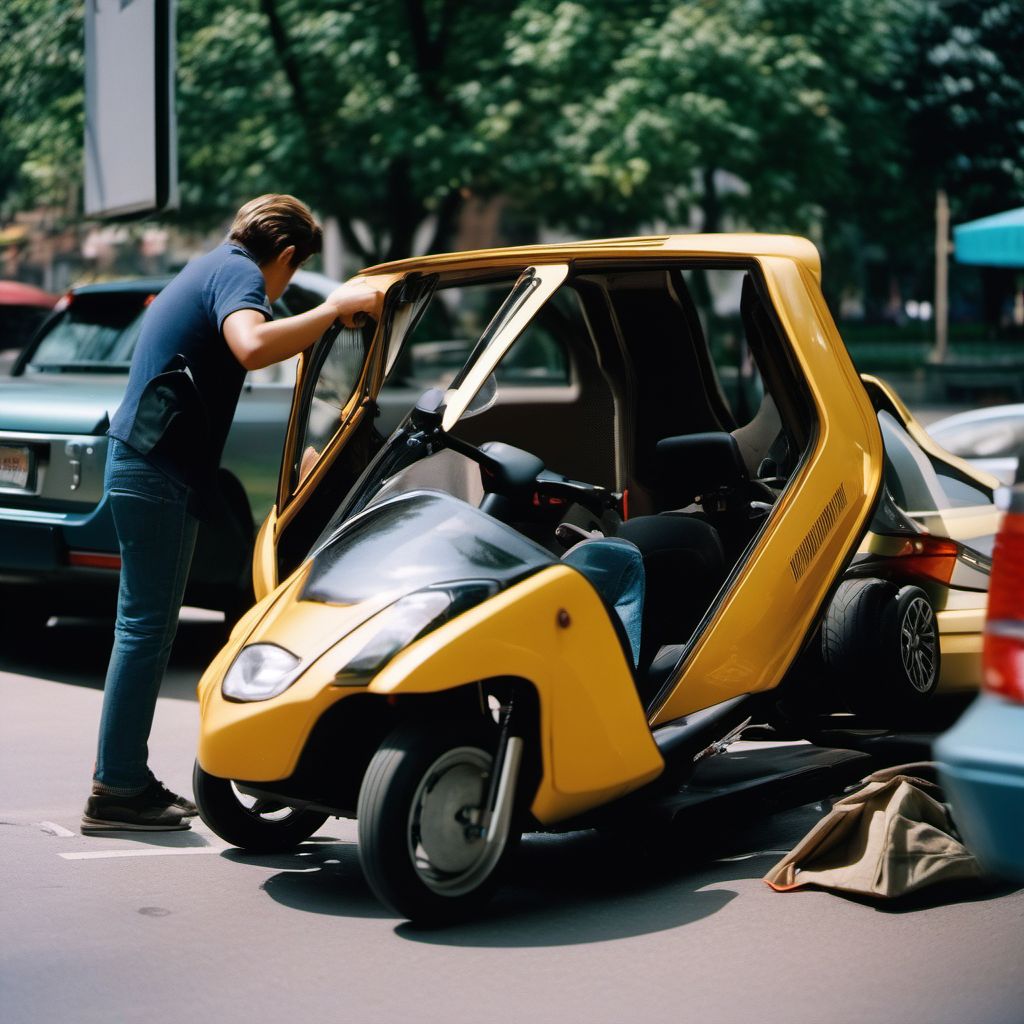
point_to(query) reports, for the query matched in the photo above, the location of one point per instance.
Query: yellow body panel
(961, 641)
(595, 742)
(759, 626)
(740, 245)
(960, 666)
(595, 738)
(264, 557)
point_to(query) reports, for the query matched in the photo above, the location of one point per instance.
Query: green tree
(603, 116)
(41, 113)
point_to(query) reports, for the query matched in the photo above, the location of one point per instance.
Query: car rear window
(99, 330)
(94, 330)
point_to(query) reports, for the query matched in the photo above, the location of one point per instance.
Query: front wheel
(420, 812)
(257, 825)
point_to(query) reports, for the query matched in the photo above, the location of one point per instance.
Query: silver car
(58, 548)
(991, 439)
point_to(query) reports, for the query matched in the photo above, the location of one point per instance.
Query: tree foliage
(599, 116)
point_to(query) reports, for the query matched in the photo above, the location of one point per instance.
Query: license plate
(15, 466)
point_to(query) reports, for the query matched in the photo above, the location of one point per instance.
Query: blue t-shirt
(182, 330)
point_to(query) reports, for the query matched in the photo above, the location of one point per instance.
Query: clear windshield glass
(411, 447)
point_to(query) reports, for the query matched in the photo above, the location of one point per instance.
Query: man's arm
(256, 342)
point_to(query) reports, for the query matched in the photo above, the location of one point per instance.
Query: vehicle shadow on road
(559, 890)
(75, 651)
(581, 887)
(320, 877)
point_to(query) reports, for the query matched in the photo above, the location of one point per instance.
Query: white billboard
(131, 159)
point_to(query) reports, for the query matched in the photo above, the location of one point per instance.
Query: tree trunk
(316, 143)
(447, 219)
(405, 212)
(710, 205)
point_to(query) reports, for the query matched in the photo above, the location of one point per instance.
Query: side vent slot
(819, 531)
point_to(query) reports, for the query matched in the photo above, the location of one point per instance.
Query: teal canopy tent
(996, 241)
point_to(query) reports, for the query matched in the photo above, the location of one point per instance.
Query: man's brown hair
(270, 223)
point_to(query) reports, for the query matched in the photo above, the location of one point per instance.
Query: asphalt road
(178, 927)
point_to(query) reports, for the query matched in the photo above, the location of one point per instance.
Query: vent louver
(818, 532)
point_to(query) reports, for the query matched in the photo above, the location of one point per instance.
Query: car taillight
(1004, 628)
(934, 558)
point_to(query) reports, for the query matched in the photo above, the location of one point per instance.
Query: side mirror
(429, 410)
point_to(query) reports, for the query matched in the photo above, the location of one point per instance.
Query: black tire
(394, 795)
(250, 828)
(880, 644)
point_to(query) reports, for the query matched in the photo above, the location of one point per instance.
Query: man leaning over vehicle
(201, 334)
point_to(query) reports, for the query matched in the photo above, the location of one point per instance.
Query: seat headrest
(697, 464)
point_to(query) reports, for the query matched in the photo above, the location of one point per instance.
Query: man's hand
(352, 299)
(310, 457)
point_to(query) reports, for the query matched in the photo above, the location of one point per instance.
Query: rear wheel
(880, 644)
(420, 809)
(259, 825)
(910, 626)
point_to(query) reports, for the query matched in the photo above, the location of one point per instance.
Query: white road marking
(149, 851)
(53, 829)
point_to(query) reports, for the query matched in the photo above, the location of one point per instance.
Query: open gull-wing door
(330, 429)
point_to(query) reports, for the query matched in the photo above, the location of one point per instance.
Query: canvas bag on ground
(891, 837)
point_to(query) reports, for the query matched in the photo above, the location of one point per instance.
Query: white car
(991, 439)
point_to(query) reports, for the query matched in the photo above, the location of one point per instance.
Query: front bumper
(981, 762)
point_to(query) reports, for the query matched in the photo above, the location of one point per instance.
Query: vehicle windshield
(411, 459)
(415, 540)
(96, 331)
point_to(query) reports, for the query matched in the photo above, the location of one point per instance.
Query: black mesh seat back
(685, 566)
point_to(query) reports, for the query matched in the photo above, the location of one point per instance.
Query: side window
(449, 329)
(443, 339)
(276, 373)
(725, 303)
(334, 378)
(747, 384)
(537, 359)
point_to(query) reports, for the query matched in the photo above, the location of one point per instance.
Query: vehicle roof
(719, 246)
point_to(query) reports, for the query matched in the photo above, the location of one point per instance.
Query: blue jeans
(615, 568)
(157, 537)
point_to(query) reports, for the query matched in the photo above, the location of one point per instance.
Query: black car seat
(710, 468)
